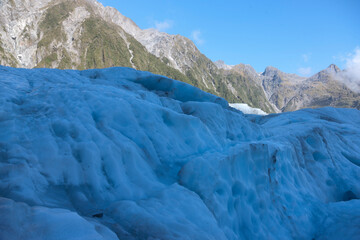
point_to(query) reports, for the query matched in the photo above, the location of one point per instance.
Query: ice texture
(123, 154)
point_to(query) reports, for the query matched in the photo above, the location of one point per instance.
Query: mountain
(123, 154)
(71, 34)
(289, 92)
(82, 34)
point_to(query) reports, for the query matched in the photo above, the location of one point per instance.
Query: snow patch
(246, 109)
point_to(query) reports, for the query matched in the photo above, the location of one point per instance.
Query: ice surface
(122, 154)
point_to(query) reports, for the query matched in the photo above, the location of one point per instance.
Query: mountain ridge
(289, 92)
(84, 34)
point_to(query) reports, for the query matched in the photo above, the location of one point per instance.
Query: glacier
(122, 154)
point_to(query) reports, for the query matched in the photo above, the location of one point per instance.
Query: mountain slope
(182, 54)
(290, 92)
(122, 154)
(70, 34)
(83, 34)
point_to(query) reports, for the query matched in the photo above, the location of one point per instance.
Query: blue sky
(295, 36)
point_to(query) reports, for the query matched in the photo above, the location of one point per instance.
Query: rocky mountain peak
(111, 14)
(326, 74)
(222, 65)
(271, 71)
(246, 70)
(333, 68)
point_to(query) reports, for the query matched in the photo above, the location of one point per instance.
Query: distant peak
(323, 75)
(333, 68)
(270, 70)
(221, 64)
(246, 68)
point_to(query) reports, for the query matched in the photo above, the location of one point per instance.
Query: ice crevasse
(122, 154)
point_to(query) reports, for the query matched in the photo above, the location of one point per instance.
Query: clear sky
(296, 36)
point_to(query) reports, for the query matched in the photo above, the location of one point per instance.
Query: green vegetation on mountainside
(65, 62)
(145, 61)
(332, 94)
(51, 30)
(102, 46)
(247, 91)
(51, 26)
(244, 90)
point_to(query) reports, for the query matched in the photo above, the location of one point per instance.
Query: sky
(295, 36)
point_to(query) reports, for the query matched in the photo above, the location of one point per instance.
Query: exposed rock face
(280, 88)
(19, 21)
(110, 14)
(72, 28)
(168, 46)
